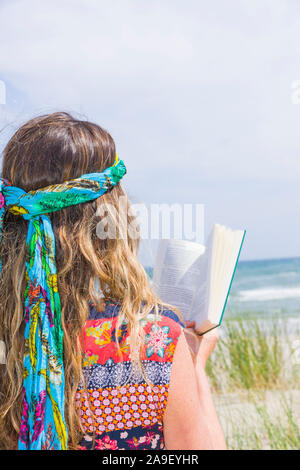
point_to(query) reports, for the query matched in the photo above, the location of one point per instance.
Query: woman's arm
(190, 420)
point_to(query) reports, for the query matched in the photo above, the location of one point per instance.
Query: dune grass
(251, 357)
(258, 426)
(256, 385)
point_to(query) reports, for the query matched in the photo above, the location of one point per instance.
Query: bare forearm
(208, 407)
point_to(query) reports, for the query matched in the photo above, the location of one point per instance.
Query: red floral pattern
(127, 415)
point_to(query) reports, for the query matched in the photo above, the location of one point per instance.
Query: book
(197, 279)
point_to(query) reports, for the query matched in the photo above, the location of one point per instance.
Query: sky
(197, 95)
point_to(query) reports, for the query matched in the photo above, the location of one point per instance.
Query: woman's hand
(190, 419)
(201, 346)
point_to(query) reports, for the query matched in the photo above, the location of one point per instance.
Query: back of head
(48, 150)
(54, 148)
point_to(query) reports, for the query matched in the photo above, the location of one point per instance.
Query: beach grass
(256, 385)
(257, 425)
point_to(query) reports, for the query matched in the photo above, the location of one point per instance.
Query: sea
(266, 289)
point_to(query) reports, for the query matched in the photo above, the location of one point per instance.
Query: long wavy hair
(47, 150)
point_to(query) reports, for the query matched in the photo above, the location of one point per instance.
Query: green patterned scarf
(43, 423)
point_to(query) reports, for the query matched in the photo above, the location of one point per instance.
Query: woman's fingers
(207, 345)
(200, 346)
(190, 324)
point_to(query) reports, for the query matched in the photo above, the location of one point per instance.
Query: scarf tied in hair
(43, 424)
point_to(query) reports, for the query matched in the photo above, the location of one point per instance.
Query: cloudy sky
(197, 94)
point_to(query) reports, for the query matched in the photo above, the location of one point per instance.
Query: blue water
(265, 288)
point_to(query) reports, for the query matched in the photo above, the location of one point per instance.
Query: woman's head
(48, 150)
(54, 148)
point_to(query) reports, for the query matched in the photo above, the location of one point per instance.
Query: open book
(197, 279)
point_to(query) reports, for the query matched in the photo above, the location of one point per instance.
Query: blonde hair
(47, 150)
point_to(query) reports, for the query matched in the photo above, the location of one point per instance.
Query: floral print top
(118, 409)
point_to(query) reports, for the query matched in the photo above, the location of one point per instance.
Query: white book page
(226, 251)
(196, 279)
(232, 244)
(202, 297)
(177, 273)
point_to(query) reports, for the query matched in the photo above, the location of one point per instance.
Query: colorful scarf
(43, 423)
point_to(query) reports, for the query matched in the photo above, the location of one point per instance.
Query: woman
(87, 366)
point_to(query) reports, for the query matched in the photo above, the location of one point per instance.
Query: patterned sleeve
(162, 336)
(161, 340)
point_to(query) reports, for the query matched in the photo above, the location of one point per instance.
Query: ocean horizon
(264, 287)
